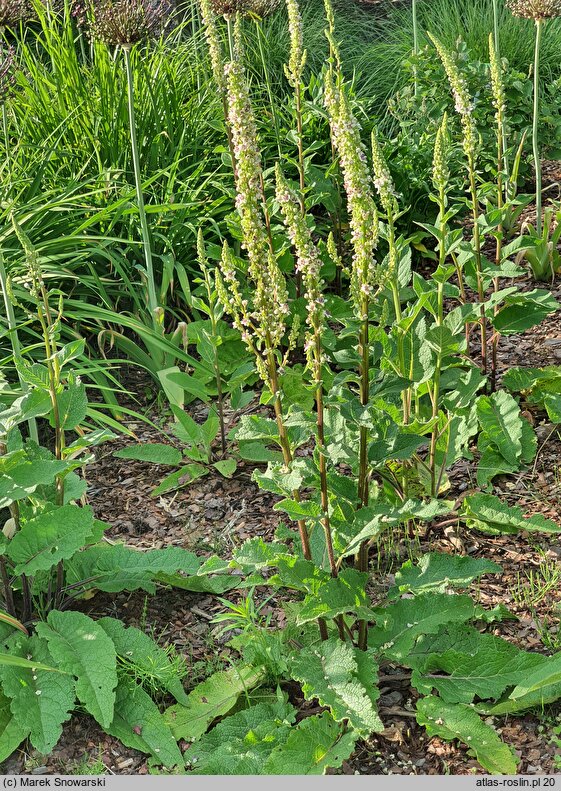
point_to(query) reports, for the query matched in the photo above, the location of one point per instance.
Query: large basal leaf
(399, 625)
(136, 648)
(52, 536)
(40, 701)
(330, 673)
(532, 700)
(155, 452)
(12, 730)
(438, 571)
(487, 513)
(523, 311)
(458, 721)
(241, 744)
(138, 724)
(499, 415)
(545, 675)
(314, 745)
(337, 595)
(213, 698)
(81, 647)
(114, 568)
(473, 665)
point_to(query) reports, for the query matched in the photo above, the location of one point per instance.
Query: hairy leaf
(337, 595)
(154, 452)
(40, 700)
(82, 648)
(12, 730)
(499, 415)
(138, 724)
(458, 721)
(330, 673)
(213, 698)
(314, 745)
(545, 675)
(438, 571)
(487, 513)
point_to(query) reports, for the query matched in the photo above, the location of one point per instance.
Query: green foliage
(437, 572)
(487, 513)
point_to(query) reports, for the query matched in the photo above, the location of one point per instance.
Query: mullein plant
(540, 11)
(258, 10)
(123, 24)
(470, 140)
(308, 265)
(364, 274)
(261, 316)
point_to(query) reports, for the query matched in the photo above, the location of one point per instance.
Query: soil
(213, 515)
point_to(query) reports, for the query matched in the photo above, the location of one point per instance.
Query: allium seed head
(14, 11)
(535, 9)
(124, 22)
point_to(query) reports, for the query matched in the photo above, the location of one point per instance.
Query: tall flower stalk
(539, 11)
(308, 264)
(294, 71)
(263, 320)
(415, 43)
(464, 108)
(440, 178)
(363, 221)
(499, 103)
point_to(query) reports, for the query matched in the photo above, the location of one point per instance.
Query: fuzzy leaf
(544, 676)
(458, 721)
(314, 745)
(438, 571)
(154, 452)
(81, 647)
(330, 673)
(487, 513)
(337, 595)
(138, 724)
(226, 467)
(40, 700)
(72, 405)
(52, 536)
(399, 625)
(240, 744)
(213, 698)
(499, 415)
(12, 730)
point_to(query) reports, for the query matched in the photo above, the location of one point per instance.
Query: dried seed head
(14, 11)
(123, 22)
(535, 9)
(7, 71)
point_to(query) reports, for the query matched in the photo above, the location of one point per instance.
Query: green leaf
(52, 536)
(337, 595)
(225, 467)
(240, 744)
(547, 674)
(118, 567)
(136, 648)
(487, 513)
(472, 664)
(213, 698)
(22, 476)
(181, 477)
(307, 509)
(154, 452)
(458, 721)
(81, 647)
(12, 730)
(329, 672)
(399, 625)
(314, 745)
(186, 429)
(438, 571)
(499, 415)
(40, 700)
(138, 724)
(525, 311)
(72, 405)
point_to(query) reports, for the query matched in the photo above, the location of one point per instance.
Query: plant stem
(496, 28)
(477, 251)
(364, 351)
(535, 126)
(216, 362)
(260, 38)
(150, 282)
(415, 42)
(498, 251)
